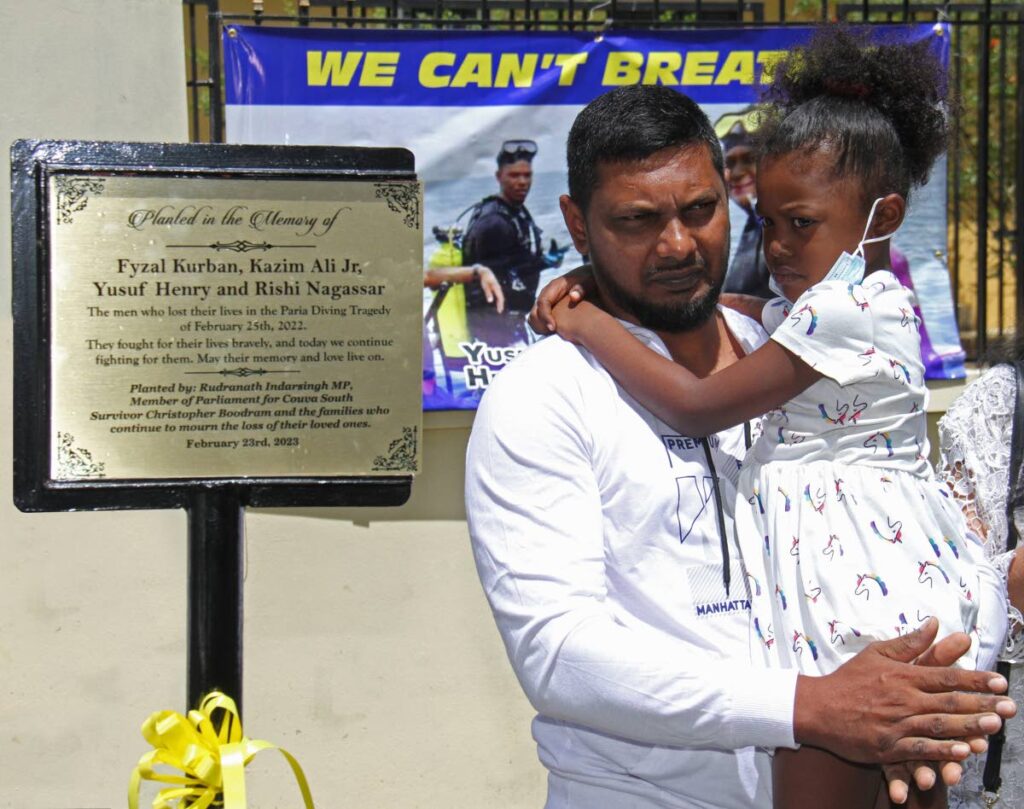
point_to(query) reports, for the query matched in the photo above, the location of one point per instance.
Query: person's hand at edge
(491, 287)
(922, 773)
(576, 285)
(434, 277)
(879, 708)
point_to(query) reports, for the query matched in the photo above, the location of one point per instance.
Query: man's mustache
(675, 266)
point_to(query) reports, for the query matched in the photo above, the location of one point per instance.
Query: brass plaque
(221, 327)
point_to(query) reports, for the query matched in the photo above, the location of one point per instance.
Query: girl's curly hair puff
(880, 108)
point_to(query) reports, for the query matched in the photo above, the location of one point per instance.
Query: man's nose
(676, 240)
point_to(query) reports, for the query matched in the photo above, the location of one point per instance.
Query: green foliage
(1003, 117)
(806, 9)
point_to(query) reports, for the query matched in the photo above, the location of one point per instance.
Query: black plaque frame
(215, 505)
(32, 163)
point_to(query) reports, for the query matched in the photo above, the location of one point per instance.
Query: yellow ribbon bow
(212, 760)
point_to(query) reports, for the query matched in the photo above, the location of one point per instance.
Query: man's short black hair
(632, 123)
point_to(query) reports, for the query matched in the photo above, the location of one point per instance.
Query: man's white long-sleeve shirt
(596, 538)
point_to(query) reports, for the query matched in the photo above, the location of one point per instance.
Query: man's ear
(889, 214)
(574, 221)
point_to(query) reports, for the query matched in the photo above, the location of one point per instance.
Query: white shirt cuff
(763, 710)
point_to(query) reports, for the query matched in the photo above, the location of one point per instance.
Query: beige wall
(370, 652)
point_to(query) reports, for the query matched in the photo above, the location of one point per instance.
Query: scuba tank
(448, 309)
(448, 253)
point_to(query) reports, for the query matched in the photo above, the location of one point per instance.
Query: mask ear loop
(864, 238)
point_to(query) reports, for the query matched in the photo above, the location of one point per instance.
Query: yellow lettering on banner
(738, 67)
(429, 66)
(476, 68)
(567, 63)
(662, 66)
(321, 67)
(622, 67)
(768, 60)
(700, 67)
(511, 70)
(379, 69)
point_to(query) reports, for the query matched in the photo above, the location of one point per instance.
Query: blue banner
(458, 99)
(303, 66)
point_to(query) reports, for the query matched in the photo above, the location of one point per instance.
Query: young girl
(845, 534)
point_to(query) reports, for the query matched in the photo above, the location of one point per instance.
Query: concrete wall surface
(370, 652)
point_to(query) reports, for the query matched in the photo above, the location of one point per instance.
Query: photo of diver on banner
(503, 248)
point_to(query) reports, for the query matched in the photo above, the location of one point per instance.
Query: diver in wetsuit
(502, 235)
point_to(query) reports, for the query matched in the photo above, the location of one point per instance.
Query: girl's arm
(1015, 579)
(694, 406)
(575, 285)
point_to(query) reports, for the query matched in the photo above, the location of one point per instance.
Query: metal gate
(985, 248)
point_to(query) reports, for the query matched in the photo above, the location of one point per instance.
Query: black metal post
(1001, 181)
(193, 76)
(215, 568)
(1018, 160)
(984, 35)
(216, 77)
(956, 57)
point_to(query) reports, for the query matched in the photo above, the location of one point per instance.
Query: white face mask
(849, 268)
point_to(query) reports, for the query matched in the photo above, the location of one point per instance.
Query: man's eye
(801, 222)
(700, 212)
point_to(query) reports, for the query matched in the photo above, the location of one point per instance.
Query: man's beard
(673, 317)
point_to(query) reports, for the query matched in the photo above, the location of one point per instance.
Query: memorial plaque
(203, 317)
(206, 327)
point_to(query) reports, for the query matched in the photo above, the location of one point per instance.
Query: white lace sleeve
(974, 448)
(974, 445)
